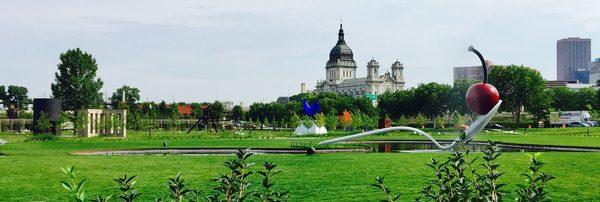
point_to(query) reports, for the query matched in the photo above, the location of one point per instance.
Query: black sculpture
(208, 115)
(52, 109)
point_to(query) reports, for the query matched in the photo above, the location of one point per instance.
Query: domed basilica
(340, 72)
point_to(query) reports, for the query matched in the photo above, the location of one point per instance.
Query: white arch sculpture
(470, 132)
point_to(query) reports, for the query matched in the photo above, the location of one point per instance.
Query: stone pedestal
(313, 130)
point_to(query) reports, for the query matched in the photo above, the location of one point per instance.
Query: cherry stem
(485, 75)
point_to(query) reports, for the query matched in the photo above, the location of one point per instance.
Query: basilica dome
(341, 51)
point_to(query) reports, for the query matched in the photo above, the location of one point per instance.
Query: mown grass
(30, 171)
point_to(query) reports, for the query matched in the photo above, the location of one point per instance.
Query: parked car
(249, 126)
(578, 124)
(238, 124)
(593, 123)
(495, 126)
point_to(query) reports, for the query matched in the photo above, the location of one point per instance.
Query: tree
(218, 109)
(81, 120)
(365, 106)
(294, 120)
(540, 109)
(134, 119)
(357, 121)
(115, 122)
(370, 122)
(402, 121)
(458, 92)
(43, 123)
(597, 99)
(345, 119)
(433, 98)
(519, 87)
(320, 119)
(440, 121)
(281, 123)
(76, 83)
(132, 95)
(331, 122)
(237, 113)
(420, 120)
(586, 99)
(163, 110)
(307, 122)
(103, 123)
(264, 123)
(563, 99)
(399, 103)
(14, 99)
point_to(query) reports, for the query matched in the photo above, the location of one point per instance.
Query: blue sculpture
(311, 109)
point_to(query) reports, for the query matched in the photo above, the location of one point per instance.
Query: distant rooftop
(575, 39)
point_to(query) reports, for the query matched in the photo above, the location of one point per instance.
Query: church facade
(340, 74)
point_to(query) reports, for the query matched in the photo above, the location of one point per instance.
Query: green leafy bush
(357, 121)
(73, 186)
(234, 185)
(177, 188)
(268, 194)
(536, 180)
(307, 122)
(457, 179)
(43, 123)
(402, 121)
(125, 184)
(320, 119)
(331, 122)
(379, 184)
(41, 137)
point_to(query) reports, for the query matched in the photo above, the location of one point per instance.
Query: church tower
(397, 68)
(341, 64)
(373, 69)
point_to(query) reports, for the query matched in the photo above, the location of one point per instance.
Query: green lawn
(31, 169)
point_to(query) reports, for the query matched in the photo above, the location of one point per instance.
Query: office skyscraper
(573, 56)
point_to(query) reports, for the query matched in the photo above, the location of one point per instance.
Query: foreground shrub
(456, 179)
(535, 189)
(268, 194)
(125, 184)
(388, 194)
(231, 186)
(74, 187)
(177, 188)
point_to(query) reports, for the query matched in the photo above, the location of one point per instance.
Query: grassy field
(30, 171)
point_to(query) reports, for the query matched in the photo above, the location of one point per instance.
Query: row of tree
(331, 104)
(522, 89)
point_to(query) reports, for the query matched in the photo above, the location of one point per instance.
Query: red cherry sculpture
(482, 97)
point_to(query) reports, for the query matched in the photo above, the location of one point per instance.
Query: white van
(568, 117)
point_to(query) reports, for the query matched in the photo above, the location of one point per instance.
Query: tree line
(521, 88)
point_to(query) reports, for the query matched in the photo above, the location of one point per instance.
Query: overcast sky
(247, 51)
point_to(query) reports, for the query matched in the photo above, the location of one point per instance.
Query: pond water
(214, 151)
(426, 146)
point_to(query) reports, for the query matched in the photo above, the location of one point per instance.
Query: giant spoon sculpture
(482, 98)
